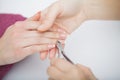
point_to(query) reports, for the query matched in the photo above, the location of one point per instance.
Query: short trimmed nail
(63, 36)
(60, 30)
(51, 46)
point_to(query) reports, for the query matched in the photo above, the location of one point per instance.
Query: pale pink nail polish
(51, 46)
(63, 36)
(61, 31)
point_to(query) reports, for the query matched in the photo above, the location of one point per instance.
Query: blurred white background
(95, 44)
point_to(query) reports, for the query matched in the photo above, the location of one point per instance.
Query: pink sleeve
(4, 69)
(5, 21)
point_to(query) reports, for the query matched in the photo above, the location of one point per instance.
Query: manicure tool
(61, 51)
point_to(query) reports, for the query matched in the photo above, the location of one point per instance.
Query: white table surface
(95, 44)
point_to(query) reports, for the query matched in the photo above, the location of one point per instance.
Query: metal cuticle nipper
(61, 51)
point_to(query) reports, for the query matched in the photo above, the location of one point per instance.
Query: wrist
(82, 15)
(102, 9)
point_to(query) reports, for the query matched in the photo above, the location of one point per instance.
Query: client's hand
(22, 39)
(61, 69)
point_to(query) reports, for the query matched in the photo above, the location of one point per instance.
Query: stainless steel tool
(61, 51)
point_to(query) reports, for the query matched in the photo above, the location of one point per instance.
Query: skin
(22, 39)
(61, 69)
(75, 12)
(69, 16)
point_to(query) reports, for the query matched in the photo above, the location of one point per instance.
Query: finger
(57, 28)
(31, 25)
(54, 73)
(54, 28)
(52, 53)
(27, 25)
(37, 48)
(31, 34)
(43, 55)
(37, 41)
(35, 17)
(50, 78)
(48, 17)
(51, 35)
(55, 35)
(82, 66)
(86, 71)
(62, 64)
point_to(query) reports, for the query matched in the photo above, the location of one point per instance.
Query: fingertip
(43, 55)
(52, 53)
(39, 12)
(42, 58)
(35, 17)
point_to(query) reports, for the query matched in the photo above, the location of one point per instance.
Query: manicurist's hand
(70, 14)
(61, 69)
(63, 14)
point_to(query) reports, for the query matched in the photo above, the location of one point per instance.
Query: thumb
(48, 16)
(35, 17)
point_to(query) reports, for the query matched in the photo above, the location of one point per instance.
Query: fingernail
(61, 30)
(51, 46)
(63, 36)
(51, 56)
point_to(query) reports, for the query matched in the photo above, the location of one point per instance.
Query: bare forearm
(103, 9)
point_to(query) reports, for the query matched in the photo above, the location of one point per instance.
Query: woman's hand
(63, 14)
(22, 39)
(70, 14)
(61, 69)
